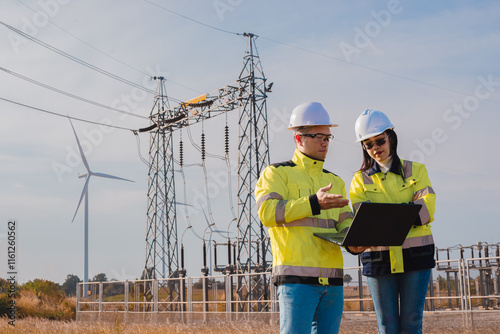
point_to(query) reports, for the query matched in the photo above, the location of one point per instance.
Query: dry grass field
(352, 323)
(35, 313)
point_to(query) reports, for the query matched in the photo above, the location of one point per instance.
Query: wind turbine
(85, 193)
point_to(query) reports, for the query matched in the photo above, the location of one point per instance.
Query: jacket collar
(305, 162)
(376, 169)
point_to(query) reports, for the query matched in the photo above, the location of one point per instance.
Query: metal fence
(461, 285)
(188, 299)
(482, 277)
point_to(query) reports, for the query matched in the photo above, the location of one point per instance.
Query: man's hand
(330, 201)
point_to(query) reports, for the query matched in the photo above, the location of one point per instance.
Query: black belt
(287, 279)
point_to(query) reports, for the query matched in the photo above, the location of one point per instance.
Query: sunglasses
(378, 142)
(318, 136)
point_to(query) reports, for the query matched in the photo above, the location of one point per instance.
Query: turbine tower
(85, 193)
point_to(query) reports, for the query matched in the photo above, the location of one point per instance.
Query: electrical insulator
(227, 139)
(203, 146)
(181, 153)
(182, 255)
(204, 254)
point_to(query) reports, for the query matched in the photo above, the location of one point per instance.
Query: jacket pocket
(369, 257)
(293, 191)
(409, 184)
(372, 188)
(422, 251)
(374, 193)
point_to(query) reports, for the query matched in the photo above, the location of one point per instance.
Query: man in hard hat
(296, 199)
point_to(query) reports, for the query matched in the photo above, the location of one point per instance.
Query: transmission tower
(161, 236)
(248, 94)
(253, 157)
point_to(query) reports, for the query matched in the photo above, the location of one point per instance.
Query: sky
(432, 67)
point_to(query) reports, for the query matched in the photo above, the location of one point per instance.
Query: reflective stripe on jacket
(417, 252)
(288, 207)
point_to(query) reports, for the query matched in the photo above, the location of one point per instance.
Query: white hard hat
(371, 123)
(309, 114)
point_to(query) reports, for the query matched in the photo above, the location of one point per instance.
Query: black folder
(377, 224)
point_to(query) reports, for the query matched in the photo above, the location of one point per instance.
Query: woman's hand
(357, 249)
(417, 195)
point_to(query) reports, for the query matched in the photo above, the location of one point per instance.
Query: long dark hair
(396, 162)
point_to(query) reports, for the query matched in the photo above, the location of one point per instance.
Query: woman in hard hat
(401, 272)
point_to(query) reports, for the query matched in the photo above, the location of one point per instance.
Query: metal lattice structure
(253, 157)
(248, 94)
(162, 258)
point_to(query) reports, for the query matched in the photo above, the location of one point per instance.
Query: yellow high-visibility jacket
(288, 206)
(417, 252)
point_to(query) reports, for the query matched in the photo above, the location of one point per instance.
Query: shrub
(29, 305)
(40, 299)
(44, 290)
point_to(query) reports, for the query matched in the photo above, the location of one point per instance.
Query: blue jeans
(310, 308)
(411, 288)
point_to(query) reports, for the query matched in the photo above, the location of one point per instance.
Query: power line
(324, 55)
(69, 94)
(75, 59)
(193, 20)
(82, 62)
(371, 68)
(104, 53)
(65, 116)
(88, 44)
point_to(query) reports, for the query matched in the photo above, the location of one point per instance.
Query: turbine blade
(179, 203)
(220, 231)
(80, 147)
(81, 197)
(206, 219)
(111, 177)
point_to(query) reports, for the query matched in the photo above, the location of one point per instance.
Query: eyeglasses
(318, 136)
(378, 142)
